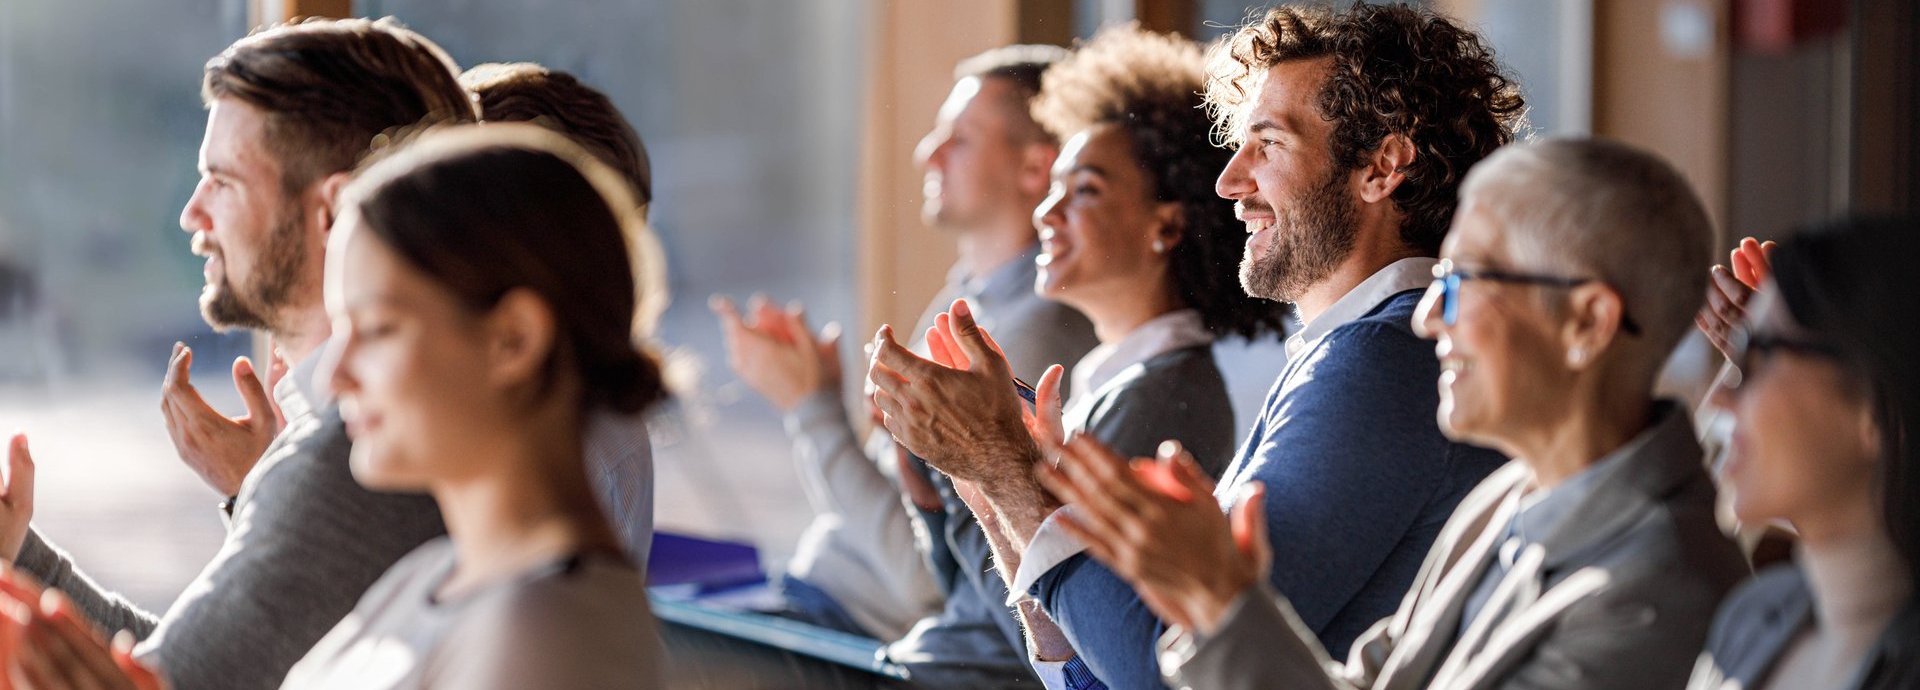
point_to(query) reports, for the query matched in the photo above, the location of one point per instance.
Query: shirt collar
(1174, 330)
(299, 393)
(1012, 278)
(1542, 514)
(1399, 276)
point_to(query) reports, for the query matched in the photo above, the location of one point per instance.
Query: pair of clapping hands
(1154, 521)
(47, 644)
(221, 449)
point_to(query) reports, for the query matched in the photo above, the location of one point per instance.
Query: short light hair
(1021, 67)
(1588, 207)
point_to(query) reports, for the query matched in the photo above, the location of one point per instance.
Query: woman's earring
(1159, 246)
(1577, 356)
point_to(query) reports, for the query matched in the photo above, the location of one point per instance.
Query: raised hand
(964, 421)
(1156, 523)
(16, 498)
(1731, 286)
(51, 646)
(774, 352)
(221, 449)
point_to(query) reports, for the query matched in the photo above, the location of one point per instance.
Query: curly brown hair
(556, 100)
(1148, 85)
(331, 87)
(1396, 70)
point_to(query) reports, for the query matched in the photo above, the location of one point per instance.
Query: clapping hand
(775, 352)
(966, 422)
(221, 449)
(1732, 285)
(49, 645)
(1156, 523)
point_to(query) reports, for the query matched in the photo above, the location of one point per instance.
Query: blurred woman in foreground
(483, 300)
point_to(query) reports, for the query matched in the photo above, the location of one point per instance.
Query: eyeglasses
(1449, 278)
(1747, 350)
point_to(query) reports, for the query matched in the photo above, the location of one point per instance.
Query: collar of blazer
(1655, 464)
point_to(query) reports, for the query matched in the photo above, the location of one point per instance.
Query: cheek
(1795, 449)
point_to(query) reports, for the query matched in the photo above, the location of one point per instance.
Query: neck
(1596, 424)
(988, 248)
(1116, 314)
(304, 330)
(530, 506)
(1858, 580)
(1376, 247)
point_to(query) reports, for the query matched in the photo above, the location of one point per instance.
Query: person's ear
(1036, 167)
(1170, 227)
(1385, 168)
(519, 333)
(1595, 313)
(325, 199)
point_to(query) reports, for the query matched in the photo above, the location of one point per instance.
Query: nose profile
(1426, 317)
(193, 217)
(1234, 182)
(1047, 214)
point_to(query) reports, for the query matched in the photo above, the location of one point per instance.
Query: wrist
(1209, 607)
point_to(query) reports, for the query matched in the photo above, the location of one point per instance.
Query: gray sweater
(305, 542)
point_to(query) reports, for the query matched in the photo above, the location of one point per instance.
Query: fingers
(94, 659)
(898, 360)
(770, 321)
(1186, 470)
(973, 340)
(1250, 527)
(19, 489)
(1742, 267)
(1109, 482)
(937, 348)
(1046, 408)
(143, 678)
(943, 328)
(252, 393)
(179, 366)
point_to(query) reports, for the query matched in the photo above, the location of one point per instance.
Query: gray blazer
(1620, 596)
(1761, 621)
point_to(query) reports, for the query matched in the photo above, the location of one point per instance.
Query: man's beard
(1307, 242)
(259, 305)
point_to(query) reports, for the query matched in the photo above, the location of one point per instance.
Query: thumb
(252, 392)
(1249, 522)
(971, 338)
(19, 490)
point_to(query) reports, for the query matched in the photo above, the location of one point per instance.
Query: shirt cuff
(822, 408)
(1179, 644)
(1050, 547)
(1071, 674)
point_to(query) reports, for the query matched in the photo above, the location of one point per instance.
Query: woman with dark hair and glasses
(1590, 561)
(483, 293)
(1825, 403)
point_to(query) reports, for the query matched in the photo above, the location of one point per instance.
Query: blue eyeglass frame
(1449, 277)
